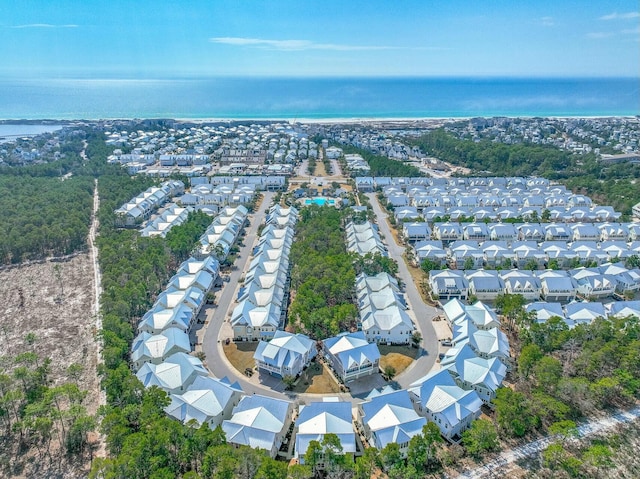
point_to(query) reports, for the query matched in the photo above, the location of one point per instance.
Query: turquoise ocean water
(319, 98)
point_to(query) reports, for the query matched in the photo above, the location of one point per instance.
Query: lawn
(316, 380)
(241, 354)
(398, 357)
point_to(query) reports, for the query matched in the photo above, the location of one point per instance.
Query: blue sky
(160, 39)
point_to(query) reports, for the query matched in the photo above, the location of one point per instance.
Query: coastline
(292, 120)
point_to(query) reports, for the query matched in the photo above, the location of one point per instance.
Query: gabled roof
(352, 349)
(439, 394)
(320, 418)
(148, 347)
(284, 349)
(205, 399)
(177, 372)
(475, 370)
(256, 421)
(391, 418)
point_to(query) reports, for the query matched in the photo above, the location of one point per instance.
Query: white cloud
(599, 35)
(547, 22)
(44, 25)
(621, 16)
(631, 31)
(292, 45)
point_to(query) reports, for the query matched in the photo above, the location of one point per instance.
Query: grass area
(316, 380)
(241, 354)
(320, 169)
(398, 357)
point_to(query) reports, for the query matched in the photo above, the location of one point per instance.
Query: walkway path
(423, 313)
(101, 449)
(495, 468)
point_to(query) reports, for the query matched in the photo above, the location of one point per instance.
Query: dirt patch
(398, 357)
(240, 354)
(53, 301)
(316, 379)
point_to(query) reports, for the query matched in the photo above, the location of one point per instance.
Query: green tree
(422, 448)
(528, 358)
(564, 429)
(481, 437)
(548, 371)
(514, 413)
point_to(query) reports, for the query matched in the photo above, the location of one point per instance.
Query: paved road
(216, 360)
(495, 467)
(422, 312)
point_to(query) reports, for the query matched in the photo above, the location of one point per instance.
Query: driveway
(423, 314)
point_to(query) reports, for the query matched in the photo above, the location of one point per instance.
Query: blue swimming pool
(319, 201)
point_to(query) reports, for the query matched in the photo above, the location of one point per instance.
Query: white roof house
(490, 343)
(443, 402)
(584, 313)
(390, 418)
(206, 401)
(364, 238)
(259, 422)
(351, 356)
(286, 354)
(320, 418)
(382, 309)
(193, 266)
(623, 309)
(155, 348)
(158, 319)
(173, 375)
(471, 371)
(543, 310)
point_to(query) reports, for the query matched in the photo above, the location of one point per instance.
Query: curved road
(218, 328)
(423, 313)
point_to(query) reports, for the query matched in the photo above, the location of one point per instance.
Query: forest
(563, 375)
(613, 185)
(323, 275)
(381, 165)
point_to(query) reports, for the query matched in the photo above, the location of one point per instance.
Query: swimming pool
(319, 201)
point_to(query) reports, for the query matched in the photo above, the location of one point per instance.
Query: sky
(196, 38)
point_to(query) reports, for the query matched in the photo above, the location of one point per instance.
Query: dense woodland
(381, 165)
(323, 275)
(44, 212)
(613, 185)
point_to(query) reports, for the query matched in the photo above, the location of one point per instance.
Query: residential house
(173, 375)
(470, 371)
(443, 402)
(351, 356)
(206, 401)
(321, 418)
(259, 422)
(389, 417)
(286, 354)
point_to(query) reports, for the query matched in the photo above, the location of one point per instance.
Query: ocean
(317, 98)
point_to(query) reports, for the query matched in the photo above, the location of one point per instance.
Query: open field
(316, 380)
(398, 357)
(240, 354)
(53, 301)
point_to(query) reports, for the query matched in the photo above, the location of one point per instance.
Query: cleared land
(316, 379)
(398, 357)
(240, 354)
(54, 302)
